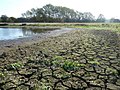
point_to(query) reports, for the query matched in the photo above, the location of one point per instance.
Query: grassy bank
(80, 60)
(97, 26)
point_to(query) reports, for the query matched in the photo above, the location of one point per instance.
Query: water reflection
(14, 33)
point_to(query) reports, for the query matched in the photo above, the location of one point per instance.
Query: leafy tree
(4, 18)
(101, 18)
(88, 17)
(12, 19)
(113, 20)
(21, 19)
(0, 20)
(50, 13)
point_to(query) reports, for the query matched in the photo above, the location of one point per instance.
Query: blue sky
(110, 8)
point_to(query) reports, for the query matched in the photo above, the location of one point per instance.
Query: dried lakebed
(78, 60)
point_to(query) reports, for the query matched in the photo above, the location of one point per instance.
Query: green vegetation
(50, 13)
(13, 66)
(99, 26)
(96, 26)
(54, 14)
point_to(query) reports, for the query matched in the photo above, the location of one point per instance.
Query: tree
(50, 13)
(101, 18)
(113, 20)
(88, 17)
(0, 20)
(4, 18)
(21, 19)
(12, 19)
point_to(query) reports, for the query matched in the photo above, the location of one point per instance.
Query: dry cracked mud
(78, 60)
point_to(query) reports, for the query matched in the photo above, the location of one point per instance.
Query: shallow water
(15, 33)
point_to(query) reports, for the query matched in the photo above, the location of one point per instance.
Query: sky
(109, 8)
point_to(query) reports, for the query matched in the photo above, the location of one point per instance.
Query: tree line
(5, 18)
(50, 13)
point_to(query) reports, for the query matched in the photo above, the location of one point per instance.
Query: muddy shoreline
(6, 45)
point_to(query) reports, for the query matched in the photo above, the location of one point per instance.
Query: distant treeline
(50, 13)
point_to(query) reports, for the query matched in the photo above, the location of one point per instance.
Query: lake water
(14, 33)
